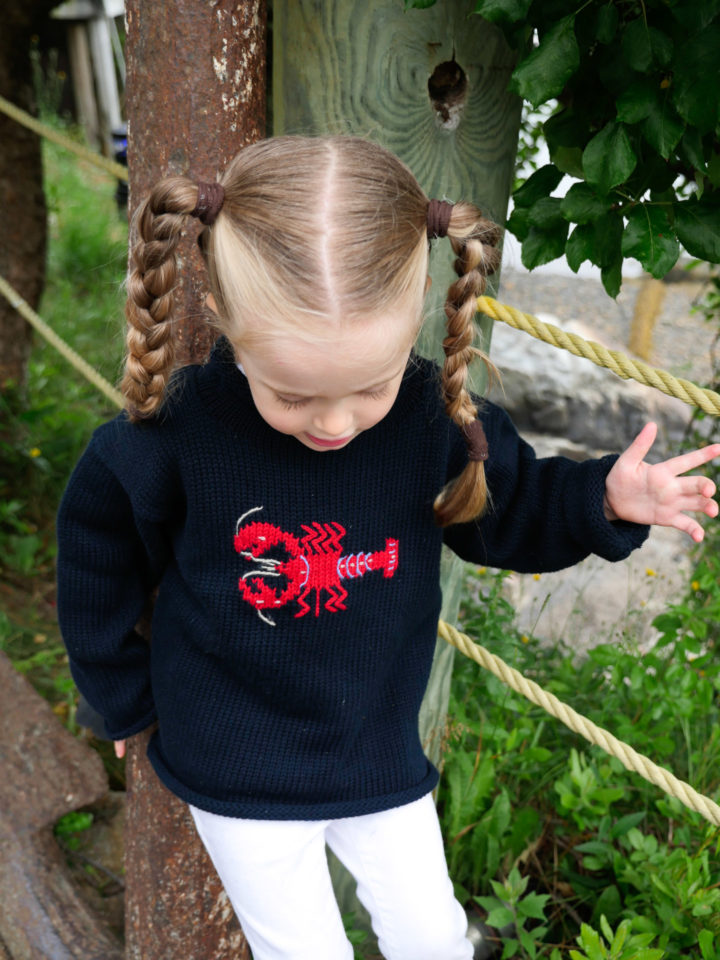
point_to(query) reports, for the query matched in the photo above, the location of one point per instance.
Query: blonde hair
(314, 233)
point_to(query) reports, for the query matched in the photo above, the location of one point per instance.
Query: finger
(703, 486)
(698, 505)
(640, 447)
(693, 459)
(689, 526)
(119, 749)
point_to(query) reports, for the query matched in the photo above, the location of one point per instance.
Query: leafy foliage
(557, 838)
(635, 89)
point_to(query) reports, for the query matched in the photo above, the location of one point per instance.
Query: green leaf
(636, 46)
(606, 23)
(542, 246)
(545, 214)
(695, 15)
(643, 46)
(517, 222)
(630, 820)
(609, 159)
(608, 903)
(663, 128)
(544, 73)
(503, 11)
(696, 80)
(637, 101)
(611, 277)
(533, 905)
(500, 917)
(608, 239)
(540, 184)
(713, 170)
(705, 942)
(569, 160)
(698, 228)
(580, 246)
(582, 205)
(649, 238)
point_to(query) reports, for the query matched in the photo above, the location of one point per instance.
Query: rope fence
(63, 348)
(630, 759)
(619, 363)
(43, 130)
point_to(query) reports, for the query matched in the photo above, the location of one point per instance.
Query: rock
(46, 774)
(563, 404)
(550, 391)
(600, 602)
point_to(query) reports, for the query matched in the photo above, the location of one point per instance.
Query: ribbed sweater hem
(286, 810)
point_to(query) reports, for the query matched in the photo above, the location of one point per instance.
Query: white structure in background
(96, 62)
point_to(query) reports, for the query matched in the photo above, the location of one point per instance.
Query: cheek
(273, 414)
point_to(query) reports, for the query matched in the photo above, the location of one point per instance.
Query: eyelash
(295, 404)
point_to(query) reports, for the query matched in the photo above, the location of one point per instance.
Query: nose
(333, 420)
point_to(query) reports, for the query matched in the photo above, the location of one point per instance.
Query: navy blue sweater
(298, 599)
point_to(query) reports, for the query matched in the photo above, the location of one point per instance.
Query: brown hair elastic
(476, 440)
(438, 218)
(210, 198)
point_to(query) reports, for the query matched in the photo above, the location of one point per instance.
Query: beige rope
(619, 363)
(26, 311)
(43, 130)
(630, 759)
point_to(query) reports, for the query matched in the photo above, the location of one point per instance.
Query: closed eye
(293, 404)
(376, 394)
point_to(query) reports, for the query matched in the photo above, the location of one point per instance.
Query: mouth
(330, 444)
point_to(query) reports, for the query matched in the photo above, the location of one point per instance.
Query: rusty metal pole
(196, 77)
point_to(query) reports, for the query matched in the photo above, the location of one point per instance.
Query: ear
(211, 304)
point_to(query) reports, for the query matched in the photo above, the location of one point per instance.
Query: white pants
(275, 873)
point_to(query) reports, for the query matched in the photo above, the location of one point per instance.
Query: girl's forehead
(360, 355)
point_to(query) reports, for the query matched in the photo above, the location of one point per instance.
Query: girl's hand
(119, 749)
(657, 493)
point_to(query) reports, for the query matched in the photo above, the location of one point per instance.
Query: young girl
(290, 499)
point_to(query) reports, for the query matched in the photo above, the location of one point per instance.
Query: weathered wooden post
(432, 86)
(195, 95)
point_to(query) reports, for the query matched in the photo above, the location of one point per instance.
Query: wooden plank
(364, 67)
(82, 78)
(360, 67)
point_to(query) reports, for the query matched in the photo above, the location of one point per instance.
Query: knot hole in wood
(448, 87)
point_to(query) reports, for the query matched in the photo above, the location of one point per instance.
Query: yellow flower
(695, 584)
(525, 639)
(536, 576)
(482, 571)
(649, 572)
(35, 452)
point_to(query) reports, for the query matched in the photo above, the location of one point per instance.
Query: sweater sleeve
(109, 560)
(543, 514)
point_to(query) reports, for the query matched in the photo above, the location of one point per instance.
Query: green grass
(50, 422)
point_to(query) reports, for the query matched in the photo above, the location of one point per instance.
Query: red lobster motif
(313, 562)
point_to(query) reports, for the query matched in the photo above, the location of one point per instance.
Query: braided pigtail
(474, 241)
(150, 352)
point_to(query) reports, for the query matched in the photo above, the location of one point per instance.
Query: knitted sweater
(298, 591)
